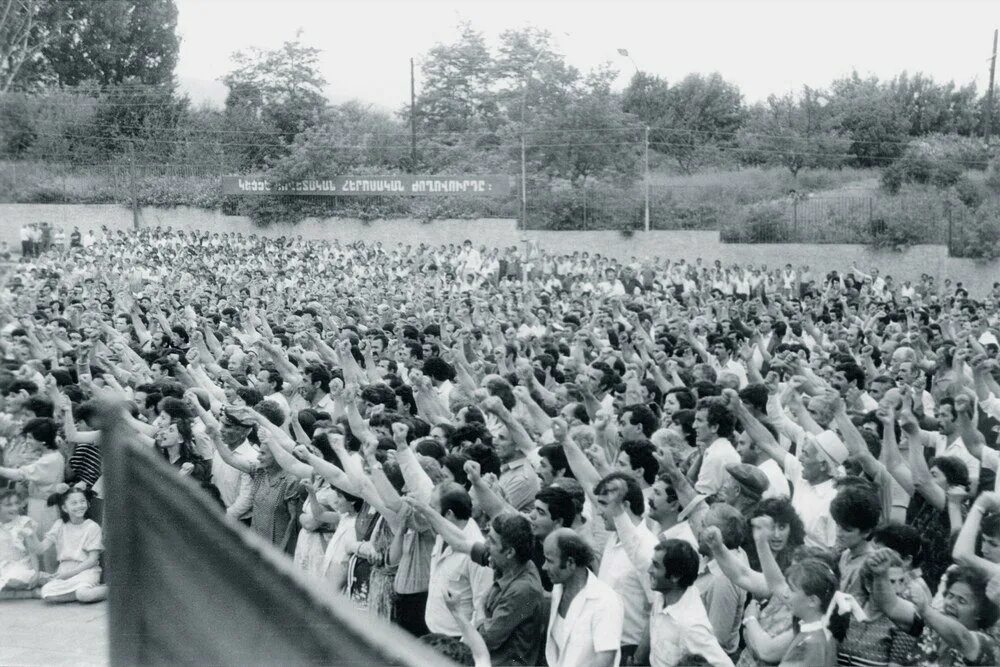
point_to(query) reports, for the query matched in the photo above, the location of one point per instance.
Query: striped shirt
(85, 462)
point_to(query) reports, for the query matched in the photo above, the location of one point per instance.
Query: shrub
(969, 193)
(935, 159)
(893, 232)
(977, 236)
(760, 223)
(992, 180)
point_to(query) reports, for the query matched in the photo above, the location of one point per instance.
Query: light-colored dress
(310, 548)
(15, 561)
(74, 542)
(338, 554)
(43, 476)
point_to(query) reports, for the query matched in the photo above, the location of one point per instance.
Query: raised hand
(879, 562)
(989, 501)
(472, 471)
(771, 383)
(493, 404)
(732, 399)
(522, 394)
(598, 455)
(712, 537)
(399, 432)
(957, 494)
(763, 527)
(559, 429)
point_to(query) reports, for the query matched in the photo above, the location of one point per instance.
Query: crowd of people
(39, 237)
(529, 458)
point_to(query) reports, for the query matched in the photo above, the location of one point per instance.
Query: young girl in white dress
(18, 565)
(78, 545)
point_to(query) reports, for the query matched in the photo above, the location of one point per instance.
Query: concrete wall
(909, 264)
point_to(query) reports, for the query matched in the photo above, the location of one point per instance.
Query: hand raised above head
(762, 526)
(472, 471)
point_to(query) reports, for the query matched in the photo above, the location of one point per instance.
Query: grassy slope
(834, 206)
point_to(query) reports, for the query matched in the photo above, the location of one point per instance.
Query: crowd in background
(525, 457)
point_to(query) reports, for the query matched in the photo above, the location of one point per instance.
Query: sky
(764, 47)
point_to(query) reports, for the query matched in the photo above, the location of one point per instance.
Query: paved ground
(33, 633)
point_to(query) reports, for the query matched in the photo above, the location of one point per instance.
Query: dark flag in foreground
(190, 587)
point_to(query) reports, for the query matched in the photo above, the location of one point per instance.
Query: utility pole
(413, 120)
(131, 185)
(989, 94)
(646, 183)
(524, 183)
(524, 149)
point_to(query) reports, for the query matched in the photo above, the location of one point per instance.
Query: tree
(25, 29)
(865, 114)
(530, 75)
(931, 108)
(353, 138)
(699, 113)
(455, 92)
(114, 42)
(129, 118)
(573, 149)
(793, 133)
(648, 98)
(52, 42)
(273, 96)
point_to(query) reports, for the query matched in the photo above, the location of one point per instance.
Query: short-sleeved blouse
(44, 474)
(74, 541)
(12, 547)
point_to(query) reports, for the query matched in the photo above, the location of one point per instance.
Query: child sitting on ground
(18, 564)
(78, 547)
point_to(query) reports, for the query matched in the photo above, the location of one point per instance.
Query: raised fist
(762, 526)
(399, 432)
(472, 471)
(712, 537)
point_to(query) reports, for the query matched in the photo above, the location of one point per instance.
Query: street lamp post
(625, 54)
(524, 157)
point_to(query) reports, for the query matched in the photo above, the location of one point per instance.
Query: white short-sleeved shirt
(592, 625)
(777, 482)
(683, 628)
(343, 543)
(618, 572)
(812, 503)
(74, 541)
(713, 473)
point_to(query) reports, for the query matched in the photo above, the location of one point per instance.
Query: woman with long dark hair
(175, 440)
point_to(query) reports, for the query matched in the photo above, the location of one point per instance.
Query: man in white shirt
(235, 486)
(812, 478)
(618, 492)
(586, 615)
(713, 424)
(454, 571)
(679, 624)
(269, 383)
(753, 455)
(724, 361)
(664, 510)
(810, 475)
(314, 391)
(722, 599)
